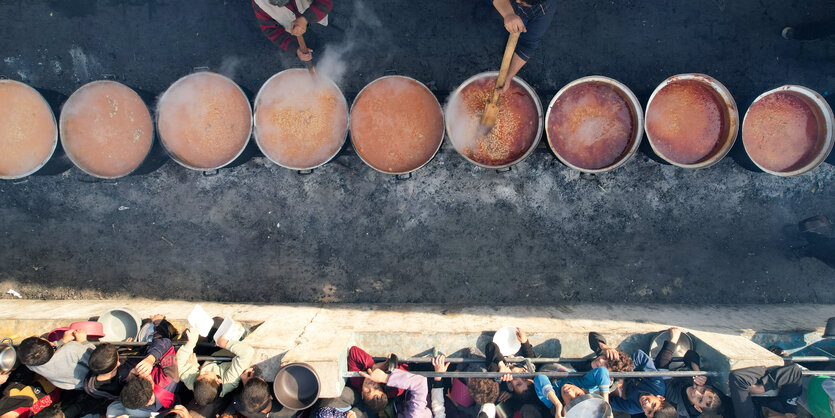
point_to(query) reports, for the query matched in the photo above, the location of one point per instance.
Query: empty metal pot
(590, 405)
(8, 355)
(296, 386)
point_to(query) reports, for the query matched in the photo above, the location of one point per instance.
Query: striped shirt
(277, 34)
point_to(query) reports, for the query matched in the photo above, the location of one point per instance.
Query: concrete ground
(539, 234)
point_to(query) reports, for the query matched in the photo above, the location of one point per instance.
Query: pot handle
(502, 170)
(111, 77)
(11, 342)
(404, 176)
(305, 172)
(210, 173)
(198, 69)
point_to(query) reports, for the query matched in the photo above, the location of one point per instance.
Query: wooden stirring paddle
(303, 48)
(491, 110)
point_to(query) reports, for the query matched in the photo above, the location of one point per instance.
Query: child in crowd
(413, 402)
(786, 381)
(108, 374)
(555, 395)
(375, 396)
(151, 385)
(684, 397)
(212, 380)
(65, 367)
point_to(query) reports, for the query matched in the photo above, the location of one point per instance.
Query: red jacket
(277, 34)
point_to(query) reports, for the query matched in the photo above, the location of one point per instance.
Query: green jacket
(229, 371)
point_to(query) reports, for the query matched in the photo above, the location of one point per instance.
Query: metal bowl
(8, 355)
(637, 121)
(440, 142)
(729, 110)
(119, 324)
(54, 140)
(590, 405)
(297, 386)
(255, 124)
(162, 138)
(540, 119)
(685, 343)
(826, 127)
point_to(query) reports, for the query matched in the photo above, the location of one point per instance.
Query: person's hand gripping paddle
(303, 49)
(491, 110)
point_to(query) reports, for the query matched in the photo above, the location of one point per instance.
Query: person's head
(51, 411)
(206, 388)
(104, 359)
(522, 388)
(373, 396)
(622, 364)
(35, 351)
(656, 406)
(568, 392)
(255, 396)
(178, 411)
(483, 390)
(529, 411)
(138, 392)
(705, 399)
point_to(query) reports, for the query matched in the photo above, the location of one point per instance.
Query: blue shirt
(596, 380)
(651, 385)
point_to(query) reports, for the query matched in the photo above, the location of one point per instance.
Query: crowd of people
(72, 377)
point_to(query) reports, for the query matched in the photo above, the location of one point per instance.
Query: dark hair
(529, 411)
(51, 411)
(624, 363)
(206, 390)
(377, 403)
(136, 393)
(529, 395)
(35, 351)
(255, 395)
(667, 410)
(103, 359)
(715, 407)
(483, 390)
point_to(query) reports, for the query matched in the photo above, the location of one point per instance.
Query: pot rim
(635, 108)
(540, 118)
(440, 109)
(733, 118)
(54, 139)
(813, 99)
(255, 124)
(304, 366)
(162, 139)
(70, 155)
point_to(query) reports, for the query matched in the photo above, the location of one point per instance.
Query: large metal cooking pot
(255, 120)
(826, 127)
(590, 405)
(8, 355)
(297, 386)
(729, 113)
(201, 72)
(685, 343)
(405, 173)
(637, 121)
(540, 119)
(54, 123)
(86, 91)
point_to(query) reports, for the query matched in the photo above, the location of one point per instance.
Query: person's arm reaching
(665, 356)
(544, 389)
(512, 22)
(415, 385)
(243, 359)
(274, 31)
(186, 361)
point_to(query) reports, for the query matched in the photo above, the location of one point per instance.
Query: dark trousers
(785, 379)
